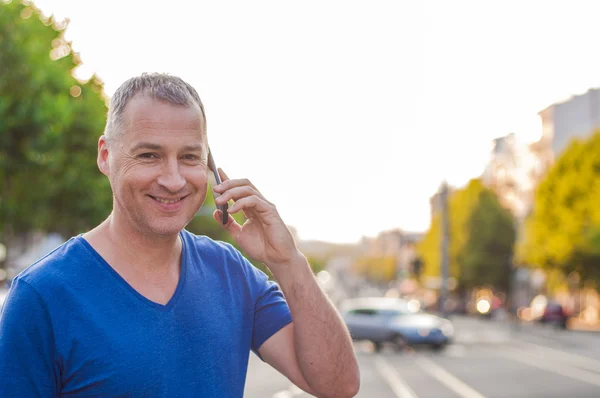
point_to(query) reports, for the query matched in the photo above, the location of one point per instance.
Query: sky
(346, 114)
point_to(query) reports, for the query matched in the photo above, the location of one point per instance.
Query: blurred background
(438, 163)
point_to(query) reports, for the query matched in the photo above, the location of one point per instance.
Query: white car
(394, 320)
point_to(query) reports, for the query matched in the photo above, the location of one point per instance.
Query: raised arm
(315, 351)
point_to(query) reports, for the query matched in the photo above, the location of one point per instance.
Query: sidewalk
(573, 324)
(577, 324)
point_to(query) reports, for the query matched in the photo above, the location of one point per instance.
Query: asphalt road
(487, 359)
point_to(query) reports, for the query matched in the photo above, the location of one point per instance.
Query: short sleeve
(27, 364)
(271, 311)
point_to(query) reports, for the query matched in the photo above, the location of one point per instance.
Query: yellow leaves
(26, 13)
(382, 269)
(75, 91)
(429, 248)
(566, 208)
(470, 242)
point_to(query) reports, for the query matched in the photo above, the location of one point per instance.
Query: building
(515, 169)
(398, 244)
(543, 158)
(512, 172)
(576, 117)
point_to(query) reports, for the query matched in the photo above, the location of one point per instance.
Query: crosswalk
(397, 384)
(485, 360)
(448, 379)
(483, 371)
(473, 370)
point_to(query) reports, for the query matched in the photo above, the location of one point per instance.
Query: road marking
(447, 378)
(558, 368)
(393, 379)
(282, 394)
(563, 356)
(293, 391)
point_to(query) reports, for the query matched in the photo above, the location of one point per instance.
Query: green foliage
(481, 238)
(563, 232)
(487, 255)
(461, 204)
(205, 224)
(316, 265)
(49, 126)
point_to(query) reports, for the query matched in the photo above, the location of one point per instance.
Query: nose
(170, 178)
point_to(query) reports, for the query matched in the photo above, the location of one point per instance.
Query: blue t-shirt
(71, 326)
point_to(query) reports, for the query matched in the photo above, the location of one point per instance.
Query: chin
(166, 230)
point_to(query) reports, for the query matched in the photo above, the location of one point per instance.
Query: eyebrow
(145, 145)
(156, 147)
(193, 148)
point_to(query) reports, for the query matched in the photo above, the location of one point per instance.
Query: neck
(151, 252)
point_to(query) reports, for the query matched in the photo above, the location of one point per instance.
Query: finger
(224, 176)
(232, 226)
(255, 207)
(227, 183)
(237, 193)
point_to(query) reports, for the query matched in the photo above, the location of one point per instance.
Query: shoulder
(221, 257)
(209, 248)
(54, 267)
(36, 289)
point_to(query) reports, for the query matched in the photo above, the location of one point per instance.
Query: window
(363, 311)
(394, 312)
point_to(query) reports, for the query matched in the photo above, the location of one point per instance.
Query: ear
(103, 149)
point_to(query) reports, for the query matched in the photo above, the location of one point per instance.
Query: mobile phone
(213, 167)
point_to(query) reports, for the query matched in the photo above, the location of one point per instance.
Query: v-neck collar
(134, 292)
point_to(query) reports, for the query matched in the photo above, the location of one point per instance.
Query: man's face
(158, 167)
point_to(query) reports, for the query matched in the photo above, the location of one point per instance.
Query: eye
(191, 158)
(147, 156)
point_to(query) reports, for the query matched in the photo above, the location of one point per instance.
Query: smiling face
(157, 168)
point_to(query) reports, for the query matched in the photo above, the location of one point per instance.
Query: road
(487, 359)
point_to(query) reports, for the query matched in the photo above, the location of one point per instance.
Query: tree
(563, 231)
(49, 126)
(461, 203)
(376, 269)
(50, 123)
(481, 238)
(487, 254)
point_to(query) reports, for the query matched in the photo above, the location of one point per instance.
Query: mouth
(168, 201)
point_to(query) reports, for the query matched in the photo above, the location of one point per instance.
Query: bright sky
(348, 114)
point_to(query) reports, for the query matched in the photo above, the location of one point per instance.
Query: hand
(264, 236)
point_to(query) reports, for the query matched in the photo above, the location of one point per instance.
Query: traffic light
(416, 266)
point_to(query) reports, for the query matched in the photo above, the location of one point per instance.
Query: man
(139, 307)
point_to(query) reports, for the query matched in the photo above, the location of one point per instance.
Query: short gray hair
(160, 86)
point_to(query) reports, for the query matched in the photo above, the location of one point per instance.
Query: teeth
(167, 201)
